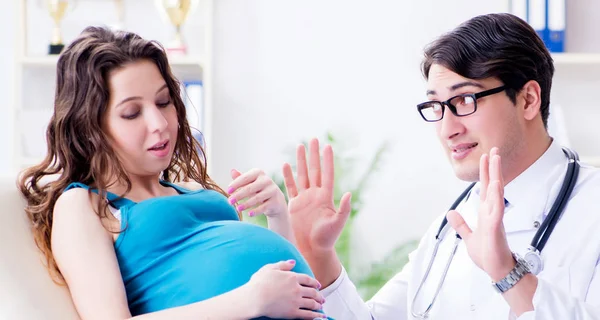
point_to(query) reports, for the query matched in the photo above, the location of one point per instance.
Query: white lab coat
(568, 286)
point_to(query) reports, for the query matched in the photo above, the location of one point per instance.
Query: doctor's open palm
(487, 244)
(316, 222)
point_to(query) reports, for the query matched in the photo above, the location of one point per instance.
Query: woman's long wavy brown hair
(78, 150)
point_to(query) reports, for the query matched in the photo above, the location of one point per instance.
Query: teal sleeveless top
(177, 250)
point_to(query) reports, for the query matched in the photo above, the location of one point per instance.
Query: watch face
(534, 262)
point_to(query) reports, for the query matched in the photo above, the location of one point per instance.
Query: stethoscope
(538, 242)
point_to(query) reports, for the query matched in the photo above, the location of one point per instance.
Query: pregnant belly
(225, 255)
(216, 258)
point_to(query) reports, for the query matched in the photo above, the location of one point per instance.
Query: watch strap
(517, 273)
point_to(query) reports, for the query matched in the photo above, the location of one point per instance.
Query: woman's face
(141, 120)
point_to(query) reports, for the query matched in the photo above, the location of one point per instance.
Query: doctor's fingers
(345, 205)
(290, 183)
(314, 169)
(302, 175)
(328, 169)
(459, 225)
(484, 176)
(496, 166)
(496, 199)
(495, 176)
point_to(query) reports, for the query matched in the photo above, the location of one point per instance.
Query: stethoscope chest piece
(534, 260)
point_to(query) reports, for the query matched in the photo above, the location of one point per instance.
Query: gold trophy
(57, 10)
(177, 12)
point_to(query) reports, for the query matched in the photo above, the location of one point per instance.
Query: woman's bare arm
(84, 252)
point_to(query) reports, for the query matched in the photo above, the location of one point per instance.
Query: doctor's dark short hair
(498, 46)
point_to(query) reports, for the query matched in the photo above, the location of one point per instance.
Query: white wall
(7, 39)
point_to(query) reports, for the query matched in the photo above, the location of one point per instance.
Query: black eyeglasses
(460, 105)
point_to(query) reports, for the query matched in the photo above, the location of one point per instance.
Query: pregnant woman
(131, 222)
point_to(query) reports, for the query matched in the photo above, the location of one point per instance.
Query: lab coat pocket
(557, 276)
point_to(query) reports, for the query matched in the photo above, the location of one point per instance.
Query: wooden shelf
(576, 58)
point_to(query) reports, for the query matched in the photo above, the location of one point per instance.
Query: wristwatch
(516, 274)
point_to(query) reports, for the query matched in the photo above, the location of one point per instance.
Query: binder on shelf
(556, 25)
(537, 16)
(192, 95)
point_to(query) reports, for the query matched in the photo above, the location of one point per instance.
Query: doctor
(523, 242)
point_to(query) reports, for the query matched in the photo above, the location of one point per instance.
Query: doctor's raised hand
(316, 222)
(486, 244)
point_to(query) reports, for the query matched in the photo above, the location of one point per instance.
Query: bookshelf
(35, 72)
(572, 101)
(566, 59)
(50, 61)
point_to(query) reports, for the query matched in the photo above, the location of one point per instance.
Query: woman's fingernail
(232, 200)
(291, 261)
(241, 207)
(318, 285)
(251, 213)
(230, 190)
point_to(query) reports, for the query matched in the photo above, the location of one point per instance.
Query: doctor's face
(495, 123)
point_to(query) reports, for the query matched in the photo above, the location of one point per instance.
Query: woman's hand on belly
(283, 294)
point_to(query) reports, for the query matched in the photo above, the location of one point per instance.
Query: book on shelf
(193, 99)
(546, 17)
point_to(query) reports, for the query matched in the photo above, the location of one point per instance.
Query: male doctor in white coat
(488, 89)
